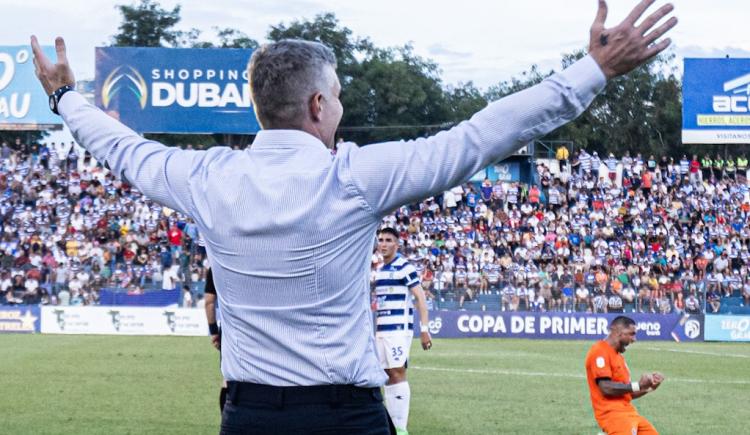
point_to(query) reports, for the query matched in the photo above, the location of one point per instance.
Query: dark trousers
(324, 409)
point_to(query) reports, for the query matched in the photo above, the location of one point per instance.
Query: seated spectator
(583, 304)
(679, 304)
(692, 304)
(714, 301)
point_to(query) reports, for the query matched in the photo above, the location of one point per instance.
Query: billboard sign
(19, 319)
(553, 325)
(23, 103)
(123, 321)
(727, 328)
(176, 90)
(715, 97)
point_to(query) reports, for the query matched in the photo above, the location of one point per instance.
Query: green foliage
(639, 112)
(392, 93)
(148, 25)
(387, 93)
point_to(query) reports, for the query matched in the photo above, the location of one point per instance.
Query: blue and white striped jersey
(393, 284)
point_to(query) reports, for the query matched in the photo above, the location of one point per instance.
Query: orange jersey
(603, 361)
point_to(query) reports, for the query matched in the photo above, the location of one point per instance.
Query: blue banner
(158, 298)
(20, 318)
(23, 103)
(171, 90)
(715, 95)
(504, 171)
(567, 326)
(727, 328)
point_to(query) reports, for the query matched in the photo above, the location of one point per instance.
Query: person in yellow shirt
(562, 154)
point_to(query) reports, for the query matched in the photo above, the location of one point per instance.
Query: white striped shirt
(289, 227)
(585, 160)
(393, 284)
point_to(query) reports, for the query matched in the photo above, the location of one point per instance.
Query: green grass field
(169, 385)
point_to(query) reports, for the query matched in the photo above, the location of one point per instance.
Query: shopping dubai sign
(715, 108)
(167, 90)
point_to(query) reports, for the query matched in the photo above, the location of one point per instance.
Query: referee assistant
(213, 327)
(289, 226)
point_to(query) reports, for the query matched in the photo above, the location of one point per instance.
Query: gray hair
(283, 76)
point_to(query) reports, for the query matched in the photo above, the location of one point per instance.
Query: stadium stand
(598, 234)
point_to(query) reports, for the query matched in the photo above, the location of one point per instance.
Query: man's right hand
(216, 341)
(656, 380)
(52, 76)
(646, 382)
(620, 49)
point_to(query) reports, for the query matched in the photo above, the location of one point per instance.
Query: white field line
(698, 352)
(564, 375)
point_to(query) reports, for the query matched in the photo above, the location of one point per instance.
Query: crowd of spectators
(69, 228)
(590, 234)
(598, 235)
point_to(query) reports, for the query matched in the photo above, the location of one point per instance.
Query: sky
(485, 42)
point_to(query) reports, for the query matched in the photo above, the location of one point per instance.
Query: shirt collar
(396, 257)
(285, 139)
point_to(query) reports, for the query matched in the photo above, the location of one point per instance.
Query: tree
(148, 25)
(387, 93)
(639, 112)
(463, 101)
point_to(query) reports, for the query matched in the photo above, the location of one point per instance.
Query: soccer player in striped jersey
(394, 282)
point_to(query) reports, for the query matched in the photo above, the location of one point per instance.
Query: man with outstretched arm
(289, 226)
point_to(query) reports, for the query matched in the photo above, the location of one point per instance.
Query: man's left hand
(52, 76)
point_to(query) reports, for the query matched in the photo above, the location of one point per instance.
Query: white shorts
(393, 350)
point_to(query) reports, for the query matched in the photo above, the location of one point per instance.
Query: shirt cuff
(586, 77)
(69, 102)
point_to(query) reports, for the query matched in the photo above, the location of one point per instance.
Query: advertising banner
(124, 321)
(567, 326)
(504, 171)
(715, 96)
(727, 328)
(159, 298)
(23, 319)
(176, 90)
(23, 103)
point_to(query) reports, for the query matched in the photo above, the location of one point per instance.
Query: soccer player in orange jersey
(610, 385)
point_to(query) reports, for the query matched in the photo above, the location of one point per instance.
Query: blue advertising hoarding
(727, 328)
(565, 326)
(715, 96)
(24, 319)
(503, 171)
(23, 103)
(171, 90)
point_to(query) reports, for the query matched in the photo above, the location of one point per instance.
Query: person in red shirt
(610, 385)
(646, 182)
(175, 236)
(695, 170)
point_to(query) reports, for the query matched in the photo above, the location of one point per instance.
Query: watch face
(52, 102)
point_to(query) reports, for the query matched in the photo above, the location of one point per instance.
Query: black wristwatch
(54, 99)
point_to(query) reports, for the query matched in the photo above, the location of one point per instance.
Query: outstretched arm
(388, 175)
(161, 173)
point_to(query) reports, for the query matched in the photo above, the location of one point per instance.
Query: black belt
(246, 392)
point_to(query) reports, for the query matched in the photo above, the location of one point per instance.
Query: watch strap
(57, 95)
